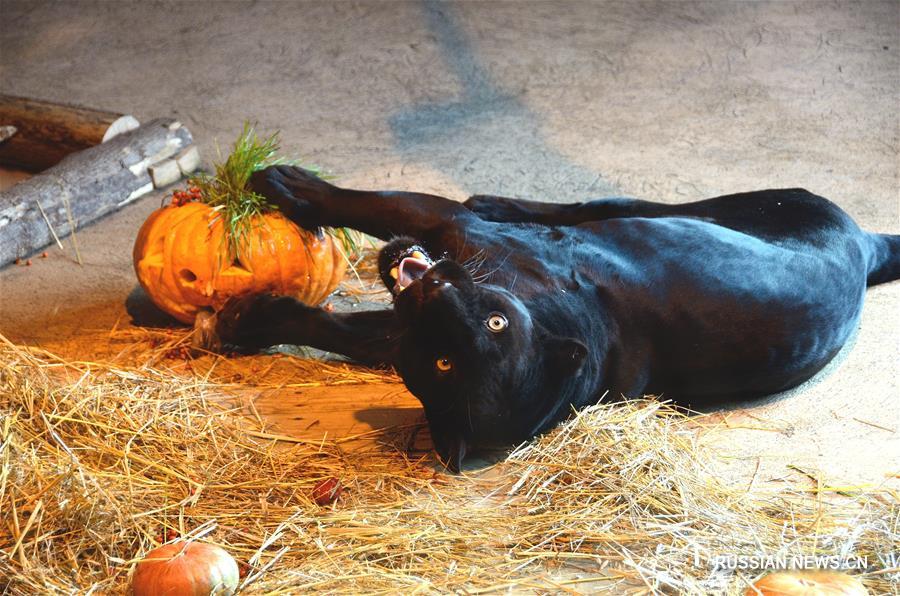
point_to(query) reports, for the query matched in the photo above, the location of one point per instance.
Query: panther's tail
(884, 263)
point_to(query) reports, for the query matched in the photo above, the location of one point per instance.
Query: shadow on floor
(467, 138)
(144, 313)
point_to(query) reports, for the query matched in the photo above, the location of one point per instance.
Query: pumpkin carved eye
(443, 364)
(496, 322)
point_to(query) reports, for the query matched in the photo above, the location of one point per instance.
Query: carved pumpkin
(186, 569)
(185, 262)
(807, 583)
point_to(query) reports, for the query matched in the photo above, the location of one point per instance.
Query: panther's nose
(446, 274)
(432, 286)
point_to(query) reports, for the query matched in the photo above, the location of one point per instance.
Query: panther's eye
(443, 364)
(496, 322)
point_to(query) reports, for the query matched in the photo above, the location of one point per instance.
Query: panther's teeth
(417, 254)
(395, 272)
(401, 288)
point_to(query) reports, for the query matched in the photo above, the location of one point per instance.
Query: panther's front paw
(204, 337)
(297, 193)
(251, 322)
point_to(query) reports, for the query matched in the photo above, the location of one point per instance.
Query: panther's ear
(566, 355)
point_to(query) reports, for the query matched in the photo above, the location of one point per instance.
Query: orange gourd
(807, 583)
(185, 262)
(186, 569)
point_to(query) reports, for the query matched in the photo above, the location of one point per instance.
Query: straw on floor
(99, 463)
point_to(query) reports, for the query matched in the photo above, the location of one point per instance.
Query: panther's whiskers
(474, 262)
(513, 284)
(481, 278)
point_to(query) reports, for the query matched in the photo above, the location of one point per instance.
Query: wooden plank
(352, 414)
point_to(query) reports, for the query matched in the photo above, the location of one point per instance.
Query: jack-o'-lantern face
(185, 263)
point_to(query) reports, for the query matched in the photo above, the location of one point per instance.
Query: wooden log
(6, 132)
(87, 185)
(47, 132)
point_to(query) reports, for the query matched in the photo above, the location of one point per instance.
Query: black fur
(731, 297)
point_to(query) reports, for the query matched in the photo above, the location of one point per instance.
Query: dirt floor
(670, 101)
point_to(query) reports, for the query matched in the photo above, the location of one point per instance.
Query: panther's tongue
(409, 270)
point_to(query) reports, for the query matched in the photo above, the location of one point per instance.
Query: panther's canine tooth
(395, 272)
(417, 254)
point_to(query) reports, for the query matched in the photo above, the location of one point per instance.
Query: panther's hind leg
(772, 215)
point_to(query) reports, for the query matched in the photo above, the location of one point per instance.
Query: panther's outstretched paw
(204, 338)
(257, 321)
(298, 193)
(244, 322)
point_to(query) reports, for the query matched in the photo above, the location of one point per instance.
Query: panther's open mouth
(410, 265)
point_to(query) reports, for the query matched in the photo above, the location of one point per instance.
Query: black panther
(509, 313)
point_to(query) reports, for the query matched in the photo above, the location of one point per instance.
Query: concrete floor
(671, 101)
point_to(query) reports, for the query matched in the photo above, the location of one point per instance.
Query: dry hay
(100, 461)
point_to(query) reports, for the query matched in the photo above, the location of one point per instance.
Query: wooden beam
(85, 186)
(47, 132)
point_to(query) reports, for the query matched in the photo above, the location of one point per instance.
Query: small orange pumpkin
(807, 583)
(185, 262)
(186, 569)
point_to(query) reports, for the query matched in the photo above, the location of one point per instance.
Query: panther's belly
(707, 366)
(717, 314)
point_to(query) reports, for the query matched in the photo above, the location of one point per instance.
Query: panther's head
(487, 373)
